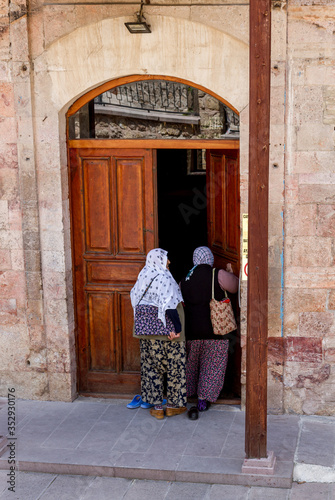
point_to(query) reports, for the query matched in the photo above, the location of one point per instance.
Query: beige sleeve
(228, 281)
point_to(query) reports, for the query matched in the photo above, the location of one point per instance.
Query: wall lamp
(139, 26)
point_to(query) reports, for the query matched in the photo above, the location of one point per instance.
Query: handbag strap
(147, 288)
(213, 279)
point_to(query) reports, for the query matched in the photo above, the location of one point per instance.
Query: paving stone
(268, 494)
(228, 492)
(108, 488)
(67, 488)
(317, 441)
(142, 490)
(311, 491)
(188, 491)
(28, 486)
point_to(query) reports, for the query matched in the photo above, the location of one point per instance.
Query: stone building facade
(50, 55)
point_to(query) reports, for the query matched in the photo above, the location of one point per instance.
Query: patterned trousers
(157, 358)
(206, 367)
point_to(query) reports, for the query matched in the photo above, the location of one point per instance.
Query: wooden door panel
(130, 205)
(130, 353)
(96, 173)
(101, 332)
(113, 223)
(223, 238)
(111, 273)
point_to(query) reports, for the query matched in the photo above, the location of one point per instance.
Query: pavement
(98, 448)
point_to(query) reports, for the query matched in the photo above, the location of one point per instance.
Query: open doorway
(183, 224)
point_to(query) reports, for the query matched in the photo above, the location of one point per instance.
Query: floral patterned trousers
(157, 358)
(206, 367)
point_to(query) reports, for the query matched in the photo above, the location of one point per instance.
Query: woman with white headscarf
(155, 297)
(207, 353)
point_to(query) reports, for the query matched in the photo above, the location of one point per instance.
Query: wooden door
(114, 226)
(223, 212)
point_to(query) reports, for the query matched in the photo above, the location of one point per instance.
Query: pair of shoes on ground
(169, 412)
(193, 412)
(138, 402)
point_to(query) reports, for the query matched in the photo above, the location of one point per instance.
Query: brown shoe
(157, 413)
(170, 412)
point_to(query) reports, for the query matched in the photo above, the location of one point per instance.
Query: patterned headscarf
(201, 255)
(164, 292)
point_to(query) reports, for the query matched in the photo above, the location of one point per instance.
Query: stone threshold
(272, 481)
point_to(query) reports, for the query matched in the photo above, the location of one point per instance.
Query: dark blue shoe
(135, 403)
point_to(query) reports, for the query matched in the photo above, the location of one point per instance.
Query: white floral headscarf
(164, 291)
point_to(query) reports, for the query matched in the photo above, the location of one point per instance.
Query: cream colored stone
(309, 251)
(61, 387)
(221, 59)
(308, 105)
(315, 136)
(28, 385)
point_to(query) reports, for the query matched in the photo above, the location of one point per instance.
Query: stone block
(54, 285)
(15, 219)
(308, 105)
(301, 300)
(298, 277)
(17, 260)
(58, 360)
(278, 34)
(49, 187)
(4, 215)
(326, 221)
(28, 186)
(8, 129)
(5, 71)
(278, 73)
(36, 33)
(277, 106)
(28, 385)
(53, 261)
(37, 359)
(316, 324)
(23, 109)
(31, 240)
(12, 285)
(313, 161)
(8, 184)
(303, 349)
(275, 219)
(300, 220)
(5, 260)
(314, 136)
(329, 105)
(275, 251)
(35, 312)
(19, 40)
(60, 21)
(30, 219)
(37, 336)
(8, 156)
(6, 99)
(11, 240)
(61, 387)
(232, 19)
(56, 312)
(309, 251)
(330, 356)
(34, 285)
(331, 302)
(320, 72)
(51, 217)
(8, 312)
(316, 193)
(292, 189)
(306, 376)
(32, 260)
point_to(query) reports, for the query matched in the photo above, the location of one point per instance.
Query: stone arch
(69, 68)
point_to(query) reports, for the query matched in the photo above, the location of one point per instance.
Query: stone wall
(58, 53)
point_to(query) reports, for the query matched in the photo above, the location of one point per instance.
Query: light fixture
(139, 26)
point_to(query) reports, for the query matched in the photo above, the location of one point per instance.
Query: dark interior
(182, 210)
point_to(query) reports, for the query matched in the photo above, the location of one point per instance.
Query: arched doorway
(134, 186)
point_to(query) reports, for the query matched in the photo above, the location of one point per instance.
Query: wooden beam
(155, 143)
(257, 315)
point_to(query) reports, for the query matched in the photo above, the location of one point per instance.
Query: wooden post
(257, 316)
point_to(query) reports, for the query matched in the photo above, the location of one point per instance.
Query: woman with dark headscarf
(155, 297)
(207, 354)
